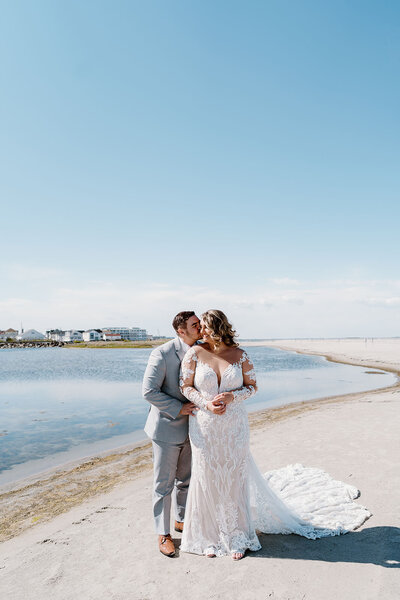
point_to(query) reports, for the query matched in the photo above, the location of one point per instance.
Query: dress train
(229, 499)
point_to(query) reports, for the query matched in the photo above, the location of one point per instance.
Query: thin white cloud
(389, 302)
(284, 281)
(19, 272)
(12, 303)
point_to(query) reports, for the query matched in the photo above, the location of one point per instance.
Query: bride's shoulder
(200, 351)
(202, 347)
(195, 351)
(243, 356)
(235, 354)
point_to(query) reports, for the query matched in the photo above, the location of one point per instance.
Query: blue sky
(164, 155)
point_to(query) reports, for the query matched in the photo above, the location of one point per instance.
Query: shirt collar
(185, 347)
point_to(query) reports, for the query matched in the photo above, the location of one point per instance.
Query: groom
(167, 427)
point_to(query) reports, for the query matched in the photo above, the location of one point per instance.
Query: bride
(229, 499)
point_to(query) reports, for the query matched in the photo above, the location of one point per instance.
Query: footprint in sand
(56, 574)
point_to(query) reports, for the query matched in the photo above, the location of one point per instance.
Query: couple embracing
(196, 385)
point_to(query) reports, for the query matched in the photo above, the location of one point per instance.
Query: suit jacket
(161, 389)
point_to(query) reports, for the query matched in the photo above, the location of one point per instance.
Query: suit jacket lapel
(178, 349)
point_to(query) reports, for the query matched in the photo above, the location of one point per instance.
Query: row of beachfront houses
(107, 334)
(78, 335)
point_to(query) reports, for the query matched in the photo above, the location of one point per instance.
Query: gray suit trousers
(172, 464)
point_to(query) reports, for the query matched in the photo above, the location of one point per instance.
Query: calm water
(60, 404)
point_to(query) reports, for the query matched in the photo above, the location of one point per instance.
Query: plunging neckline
(235, 364)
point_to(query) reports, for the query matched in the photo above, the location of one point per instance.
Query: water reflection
(46, 417)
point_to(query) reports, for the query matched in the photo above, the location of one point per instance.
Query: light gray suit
(169, 433)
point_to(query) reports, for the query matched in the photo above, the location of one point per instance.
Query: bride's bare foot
(211, 555)
(237, 555)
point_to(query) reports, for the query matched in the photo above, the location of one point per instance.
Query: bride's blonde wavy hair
(221, 331)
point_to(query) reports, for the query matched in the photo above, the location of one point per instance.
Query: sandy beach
(87, 530)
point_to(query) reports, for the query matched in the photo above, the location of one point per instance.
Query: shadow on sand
(375, 545)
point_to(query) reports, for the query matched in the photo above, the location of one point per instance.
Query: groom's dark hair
(181, 318)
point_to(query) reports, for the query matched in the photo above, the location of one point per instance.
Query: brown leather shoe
(179, 526)
(166, 545)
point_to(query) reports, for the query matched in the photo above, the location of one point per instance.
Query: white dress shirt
(185, 347)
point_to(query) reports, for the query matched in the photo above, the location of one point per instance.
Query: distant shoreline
(119, 344)
(102, 344)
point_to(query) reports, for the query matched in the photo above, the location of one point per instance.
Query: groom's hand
(188, 409)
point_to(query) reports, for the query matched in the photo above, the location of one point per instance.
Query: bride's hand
(225, 397)
(217, 407)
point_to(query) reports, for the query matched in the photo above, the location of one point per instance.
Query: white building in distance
(92, 335)
(73, 335)
(30, 334)
(133, 334)
(8, 334)
(57, 335)
(110, 336)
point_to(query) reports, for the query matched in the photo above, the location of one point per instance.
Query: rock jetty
(31, 344)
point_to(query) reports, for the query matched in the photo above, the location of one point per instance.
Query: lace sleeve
(249, 380)
(186, 379)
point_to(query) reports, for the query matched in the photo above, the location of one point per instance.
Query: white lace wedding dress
(229, 499)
